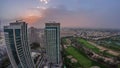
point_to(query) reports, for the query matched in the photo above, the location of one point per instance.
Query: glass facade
(12, 45)
(17, 44)
(52, 33)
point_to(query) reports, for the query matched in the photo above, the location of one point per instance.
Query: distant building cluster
(3, 52)
(96, 35)
(67, 32)
(90, 34)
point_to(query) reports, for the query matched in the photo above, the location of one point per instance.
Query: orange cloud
(31, 19)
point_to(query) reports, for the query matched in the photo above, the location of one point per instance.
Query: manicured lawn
(86, 44)
(112, 43)
(93, 48)
(82, 58)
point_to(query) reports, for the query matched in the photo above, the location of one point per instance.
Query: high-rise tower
(33, 35)
(17, 45)
(52, 37)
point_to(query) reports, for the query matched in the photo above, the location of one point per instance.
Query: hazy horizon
(71, 14)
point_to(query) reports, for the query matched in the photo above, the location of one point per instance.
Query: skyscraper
(33, 35)
(17, 45)
(52, 37)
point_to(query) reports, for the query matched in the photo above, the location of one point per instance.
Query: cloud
(31, 19)
(44, 1)
(66, 17)
(72, 13)
(79, 18)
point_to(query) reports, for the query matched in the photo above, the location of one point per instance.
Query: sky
(70, 13)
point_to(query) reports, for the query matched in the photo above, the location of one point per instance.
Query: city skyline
(59, 34)
(72, 13)
(70, 48)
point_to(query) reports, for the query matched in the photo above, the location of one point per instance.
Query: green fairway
(86, 44)
(93, 48)
(82, 58)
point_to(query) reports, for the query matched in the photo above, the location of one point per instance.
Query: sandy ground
(103, 48)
